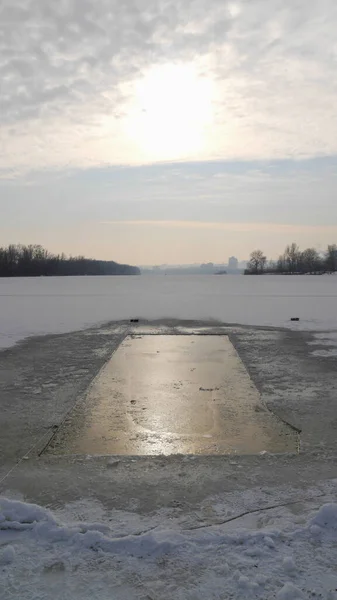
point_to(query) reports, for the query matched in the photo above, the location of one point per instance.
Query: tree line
(294, 261)
(35, 261)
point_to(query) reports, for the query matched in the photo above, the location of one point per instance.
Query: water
(56, 305)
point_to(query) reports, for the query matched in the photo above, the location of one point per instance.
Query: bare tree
(293, 260)
(281, 265)
(331, 258)
(310, 261)
(292, 257)
(34, 261)
(257, 262)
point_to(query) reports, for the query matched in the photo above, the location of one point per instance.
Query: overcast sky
(159, 131)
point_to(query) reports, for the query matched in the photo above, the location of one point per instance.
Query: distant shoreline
(36, 261)
(294, 261)
(292, 274)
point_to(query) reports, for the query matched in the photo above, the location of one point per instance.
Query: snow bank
(19, 516)
(290, 592)
(326, 519)
(42, 557)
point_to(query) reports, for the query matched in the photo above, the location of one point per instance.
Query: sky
(168, 131)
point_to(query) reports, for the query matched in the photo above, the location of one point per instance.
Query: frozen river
(57, 305)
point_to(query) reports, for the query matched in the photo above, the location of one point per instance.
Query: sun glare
(170, 109)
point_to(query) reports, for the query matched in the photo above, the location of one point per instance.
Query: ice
(44, 305)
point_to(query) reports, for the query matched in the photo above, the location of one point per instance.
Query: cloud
(301, 193)
(286, 228)
(68, 69)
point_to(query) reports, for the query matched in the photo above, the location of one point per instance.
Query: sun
(169, 110)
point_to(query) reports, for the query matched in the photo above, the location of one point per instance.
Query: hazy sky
(166, 131)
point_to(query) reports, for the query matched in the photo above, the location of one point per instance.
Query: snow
(326, 518)
(289, 592)
(7, 556)
(57, 305)
(289, 565)
(325, 353)
(288, 555)
(327, 339)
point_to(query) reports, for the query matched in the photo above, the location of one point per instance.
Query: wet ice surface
(37, 306)
(173, 395)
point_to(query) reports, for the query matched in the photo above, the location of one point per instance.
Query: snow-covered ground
(285, 551)
(326, 339)
(245, 543)
(58, 305)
